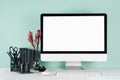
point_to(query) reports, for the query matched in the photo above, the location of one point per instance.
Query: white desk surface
(5, 74)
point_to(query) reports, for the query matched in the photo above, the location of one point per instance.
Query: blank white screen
(73, 33)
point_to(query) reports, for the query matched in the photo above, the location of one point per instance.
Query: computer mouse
(46, 73)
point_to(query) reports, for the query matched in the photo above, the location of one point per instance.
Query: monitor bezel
(75, 52)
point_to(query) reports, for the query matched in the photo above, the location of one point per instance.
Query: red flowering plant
(35, 43)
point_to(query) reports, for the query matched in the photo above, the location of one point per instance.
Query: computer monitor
(74, 37)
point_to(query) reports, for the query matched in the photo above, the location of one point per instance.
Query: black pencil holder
(27, 57)
(13, 65)
(14, 61)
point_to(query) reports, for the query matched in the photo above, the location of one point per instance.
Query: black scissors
(14, 53)
(13, 50)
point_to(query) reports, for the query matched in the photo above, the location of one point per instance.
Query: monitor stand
(73, 65)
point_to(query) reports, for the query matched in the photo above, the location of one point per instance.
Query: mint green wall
(18, 17)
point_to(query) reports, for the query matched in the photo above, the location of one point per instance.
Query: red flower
(30, 38)
(35, 42)
(38, 33)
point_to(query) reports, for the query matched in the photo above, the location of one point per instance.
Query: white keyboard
(81, 73)
(72, 74)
